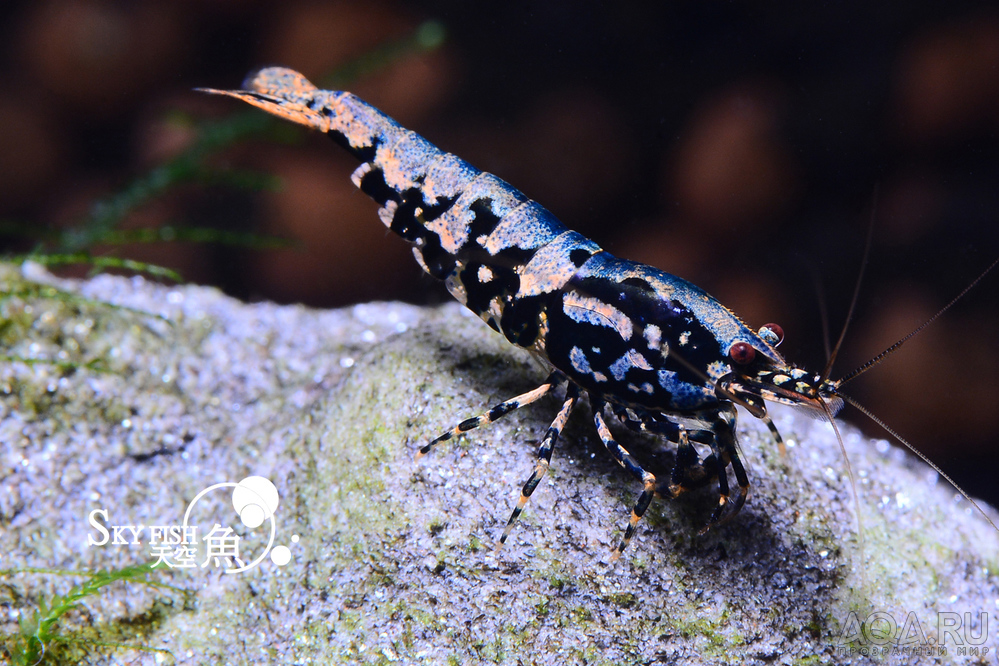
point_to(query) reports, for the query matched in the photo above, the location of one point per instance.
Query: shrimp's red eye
(772, 333)
(742, 353)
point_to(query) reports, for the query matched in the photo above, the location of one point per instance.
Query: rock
(394, 560)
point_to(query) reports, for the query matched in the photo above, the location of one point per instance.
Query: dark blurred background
(741, 147)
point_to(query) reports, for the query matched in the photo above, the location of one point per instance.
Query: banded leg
(773, 431)
(544, 458)
(626, 460)
(758, 409)
(725, 431)
(496, 412)
(689, 471)
(645, 422)
(726, 453)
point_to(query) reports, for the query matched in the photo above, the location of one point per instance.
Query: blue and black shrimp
(645, 346)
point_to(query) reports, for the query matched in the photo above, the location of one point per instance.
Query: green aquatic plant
(40, 637)
(101, 227)
(53, 628)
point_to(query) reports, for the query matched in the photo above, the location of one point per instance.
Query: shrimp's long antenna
(856, 289)
(866, 412)
(820, 299)
(853, 489)
(892, 349)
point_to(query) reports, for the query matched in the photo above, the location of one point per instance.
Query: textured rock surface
(393, 560)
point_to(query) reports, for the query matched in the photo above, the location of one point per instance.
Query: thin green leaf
(195, 235)
(101, 262)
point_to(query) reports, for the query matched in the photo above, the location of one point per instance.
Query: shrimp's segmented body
(646, 346)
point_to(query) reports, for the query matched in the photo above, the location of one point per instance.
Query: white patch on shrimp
(577, 357)
(485, 274)
(717, 369)
(593, 311)
(631, 359)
